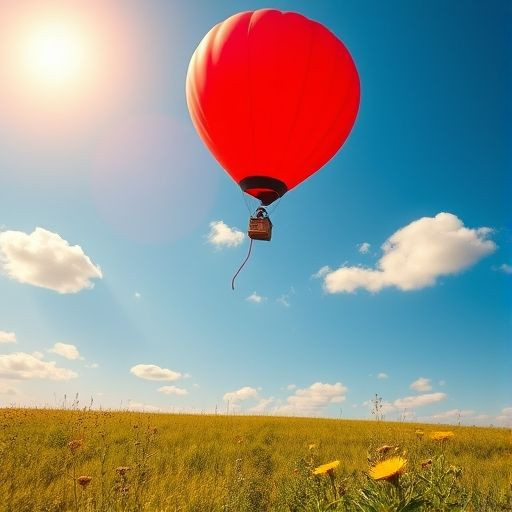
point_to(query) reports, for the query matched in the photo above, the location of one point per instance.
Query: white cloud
(241, 394)
(364, 247)
(442, 382)
(505, 416)
(65, 350)
(7, 337)
(422, 384)
(284, 299)
(313, 401)
(291, 387)
(415, 256)
(382, 376)
(173, 390)
(138, 406)
(7, 390)
(221, 235)
(92, 365)
(137, 295)
(465, 416)
(322, 272)
(385, 407)
(262, 405)
(21, 365)
(154, 372)
(453, 414)
(506, 268)
(481, 417)
(45, 259)
(411, 402)
(254, 297)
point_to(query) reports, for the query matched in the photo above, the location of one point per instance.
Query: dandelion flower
(84, 481)
(388, 469)
(442, 436)
(325, 469)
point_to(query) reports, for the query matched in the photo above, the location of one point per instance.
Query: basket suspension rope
(241, 266)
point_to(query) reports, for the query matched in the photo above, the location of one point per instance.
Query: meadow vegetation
(85, 460)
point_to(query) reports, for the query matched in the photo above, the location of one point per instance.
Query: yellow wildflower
(325, 469)
(388, 469)
(442, 436)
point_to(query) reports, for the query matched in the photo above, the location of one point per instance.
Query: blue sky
(112, 164)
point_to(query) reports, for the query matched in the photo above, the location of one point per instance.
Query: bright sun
(64, 64)
(55, 54)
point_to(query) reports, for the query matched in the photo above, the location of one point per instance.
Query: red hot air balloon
(273, 95)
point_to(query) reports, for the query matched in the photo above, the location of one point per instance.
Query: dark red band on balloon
(269, 188)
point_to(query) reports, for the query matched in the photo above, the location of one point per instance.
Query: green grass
(241, 463)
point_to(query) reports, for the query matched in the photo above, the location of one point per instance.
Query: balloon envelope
(273, 95)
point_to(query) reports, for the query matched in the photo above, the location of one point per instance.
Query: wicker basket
(260, 228)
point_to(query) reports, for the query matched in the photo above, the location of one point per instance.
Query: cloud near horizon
(453, 414)
(415, 256)
(245, 393)
(412, 402)
(505, 416)
(313, 401)
(45, 259)
(173, 390)
(7, 390)
(139, 406)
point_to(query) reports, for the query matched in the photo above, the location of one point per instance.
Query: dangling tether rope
(241, 266)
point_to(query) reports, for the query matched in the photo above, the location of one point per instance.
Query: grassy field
(55, 460)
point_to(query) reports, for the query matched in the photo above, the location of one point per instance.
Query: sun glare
(66, 66)
(55, 54)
